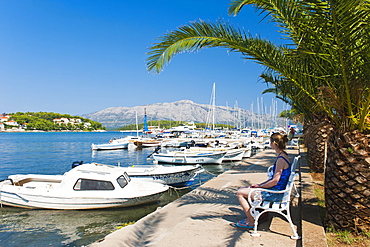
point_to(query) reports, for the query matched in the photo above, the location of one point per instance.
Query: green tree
(44, 121)
(322, 72)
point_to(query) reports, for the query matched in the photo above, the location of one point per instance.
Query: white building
(12, 123)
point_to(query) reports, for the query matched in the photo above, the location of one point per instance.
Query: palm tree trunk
(347, 181)
(317, 132)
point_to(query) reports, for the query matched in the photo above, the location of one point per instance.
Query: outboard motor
(76, 163)
(190, 144)
(156, 150)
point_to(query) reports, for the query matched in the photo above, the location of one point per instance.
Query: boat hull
(171, 175)
(87, 186)
(235, 155)
(24, 200)
(176, 177)
(190, 158)
(232, 154)
(145, 144)
(109, 146)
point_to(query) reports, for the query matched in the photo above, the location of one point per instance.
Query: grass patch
(347, 238)
(320, 194)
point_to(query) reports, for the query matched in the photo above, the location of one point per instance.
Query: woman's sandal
(243, 221)
(243, 224)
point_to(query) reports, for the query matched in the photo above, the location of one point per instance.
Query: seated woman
(278, 180)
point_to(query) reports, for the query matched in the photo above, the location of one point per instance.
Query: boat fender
(76, 163)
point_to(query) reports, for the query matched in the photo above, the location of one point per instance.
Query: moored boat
(87, 186)
(110, 146)
(174, 143)
(171, 175)
(232, 154)
(188, 157)
(147, 143)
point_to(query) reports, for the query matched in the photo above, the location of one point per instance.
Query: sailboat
(212, 110)
(146, 142)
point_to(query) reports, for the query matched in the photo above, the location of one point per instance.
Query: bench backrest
(289, 188)
(290, 184)
(294, 164)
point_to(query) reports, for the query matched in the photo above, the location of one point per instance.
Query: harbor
(206, 215)
(53, 153)
(74, 72)
(206, 211)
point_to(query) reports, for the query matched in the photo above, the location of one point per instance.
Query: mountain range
(183, 110)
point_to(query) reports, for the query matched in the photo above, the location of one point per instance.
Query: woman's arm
(280, 166)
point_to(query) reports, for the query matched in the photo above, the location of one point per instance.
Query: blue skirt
(272, 197)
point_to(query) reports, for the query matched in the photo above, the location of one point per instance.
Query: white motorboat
(146, 142)
(116, 143)
(88, 186)
(257, 143)
(110, 146)
(189, 157)
(232, 154)
(173, 143)
(171, 175)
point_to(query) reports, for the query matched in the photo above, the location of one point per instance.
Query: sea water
(54, 153)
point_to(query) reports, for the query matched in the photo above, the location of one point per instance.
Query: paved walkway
(205, 216)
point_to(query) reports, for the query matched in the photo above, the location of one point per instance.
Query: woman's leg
(242, 195)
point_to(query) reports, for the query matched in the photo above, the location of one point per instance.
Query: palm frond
(326, 69)
(193, 37)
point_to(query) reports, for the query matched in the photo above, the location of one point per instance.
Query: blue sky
(82, 56)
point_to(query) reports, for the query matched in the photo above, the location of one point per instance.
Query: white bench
(259, 206)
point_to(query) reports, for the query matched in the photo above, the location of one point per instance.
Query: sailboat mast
(214, 105)
(137, 126)
(145, 122)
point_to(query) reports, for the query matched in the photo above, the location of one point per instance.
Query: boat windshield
(90, 184)
(122, 181)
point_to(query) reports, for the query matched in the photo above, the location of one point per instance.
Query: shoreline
(38, 131)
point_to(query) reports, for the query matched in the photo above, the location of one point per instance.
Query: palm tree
(323, 73)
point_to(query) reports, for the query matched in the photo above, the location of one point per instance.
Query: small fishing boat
(171, 175)
(116, 143)
(173, 143)
(147, 142)
(232, 154)
(110, 146)
(189, 157)
(88, 186)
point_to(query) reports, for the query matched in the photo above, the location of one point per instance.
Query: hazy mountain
(183, 110)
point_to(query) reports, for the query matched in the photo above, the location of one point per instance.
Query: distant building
(12, 123)
(4, 118)
(64, 120)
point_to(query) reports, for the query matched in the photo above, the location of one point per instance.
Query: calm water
(53, 153)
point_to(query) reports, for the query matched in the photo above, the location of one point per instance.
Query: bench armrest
(255, 197)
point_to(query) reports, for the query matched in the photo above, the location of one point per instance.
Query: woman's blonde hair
(280, 140)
